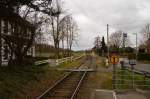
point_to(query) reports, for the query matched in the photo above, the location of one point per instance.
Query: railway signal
(124, 34)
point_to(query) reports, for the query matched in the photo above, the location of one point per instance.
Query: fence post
(144, 77)
(132, 68)
(57, 62)
(122, 71)
(132, 62)
(114, 76)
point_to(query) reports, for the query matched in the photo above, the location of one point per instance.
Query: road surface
(138, 66)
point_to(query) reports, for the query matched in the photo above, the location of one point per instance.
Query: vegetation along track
(67, 87)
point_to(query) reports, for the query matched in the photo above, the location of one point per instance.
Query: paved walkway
(107, 94)
(104, 94)
(139, 66)
(131, 95)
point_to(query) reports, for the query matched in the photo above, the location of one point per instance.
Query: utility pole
(148, 33)
(108, 40)
(136, 48)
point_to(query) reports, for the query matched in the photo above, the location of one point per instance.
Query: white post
(136, 48)
(136, 45)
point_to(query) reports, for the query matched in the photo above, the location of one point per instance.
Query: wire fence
(129, 78)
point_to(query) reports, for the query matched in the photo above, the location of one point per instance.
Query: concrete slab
(131, 95)
(88, 70)
(104, 94)
(80, 70)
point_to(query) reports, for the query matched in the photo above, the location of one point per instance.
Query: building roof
(5, 14)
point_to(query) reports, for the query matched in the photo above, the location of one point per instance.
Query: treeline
(59, 26)
(119, 43)
(45, 50)
(99, 46)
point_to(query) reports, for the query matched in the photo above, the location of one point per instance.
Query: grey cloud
(93, 15)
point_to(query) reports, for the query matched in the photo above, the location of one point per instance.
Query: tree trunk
(67, 43)
(56, 49)
(70, 50)
(19, 60)
(57, 41)
(63, 47)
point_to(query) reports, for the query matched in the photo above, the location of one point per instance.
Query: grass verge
(103, 76)
(126, 79)
(28, 82)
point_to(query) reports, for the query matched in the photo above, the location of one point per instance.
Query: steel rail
(78, 86)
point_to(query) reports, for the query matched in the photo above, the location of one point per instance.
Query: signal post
(114, 59)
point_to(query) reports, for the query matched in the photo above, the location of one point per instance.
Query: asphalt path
(139, 66)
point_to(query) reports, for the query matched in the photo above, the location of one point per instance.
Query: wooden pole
(0, 42)
(114, 76)
(108, 41)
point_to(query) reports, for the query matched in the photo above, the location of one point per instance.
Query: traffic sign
(132, 62)
(114, 59)
(124, 34)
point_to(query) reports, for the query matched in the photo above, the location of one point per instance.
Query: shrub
(40, 58)
(131, 56)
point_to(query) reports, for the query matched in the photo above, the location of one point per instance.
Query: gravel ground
(131, 95)
(100, 79)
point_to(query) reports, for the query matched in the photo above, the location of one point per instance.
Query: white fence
(55, 62)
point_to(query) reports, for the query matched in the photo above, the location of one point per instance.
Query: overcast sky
(92, 17)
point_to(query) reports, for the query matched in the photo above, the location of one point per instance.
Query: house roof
(6, 14)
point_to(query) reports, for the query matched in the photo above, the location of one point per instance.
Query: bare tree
(72, 33)
(54, 20)
(146, 32)
(67, 25)
(69, 32)
(63, 31)
(116, 39)
(146, 36)
(97, 44)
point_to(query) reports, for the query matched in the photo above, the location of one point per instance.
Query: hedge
(144, 56)
(40, 58)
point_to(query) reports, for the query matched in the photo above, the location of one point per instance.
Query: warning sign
(114, 59)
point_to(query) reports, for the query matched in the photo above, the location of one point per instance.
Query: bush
(143, 56)
(131, 56)
(40, 58)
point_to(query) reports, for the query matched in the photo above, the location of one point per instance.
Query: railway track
(67, 87)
